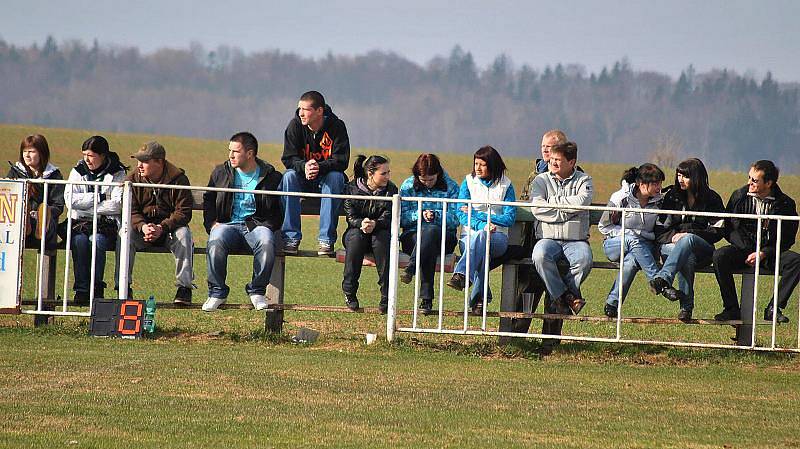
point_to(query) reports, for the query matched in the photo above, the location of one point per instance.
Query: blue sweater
(408, 209)
(479, 219)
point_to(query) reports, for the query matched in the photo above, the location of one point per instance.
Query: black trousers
(729, 258)
(430, 248)
(357, 244)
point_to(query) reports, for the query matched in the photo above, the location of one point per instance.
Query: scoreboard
(117, 318)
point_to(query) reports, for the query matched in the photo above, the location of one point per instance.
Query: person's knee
(290, 181)
(540, 252)
(333, 180)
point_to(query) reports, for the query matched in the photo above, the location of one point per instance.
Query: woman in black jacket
(687, 241)
(34, 162)
(368, 226)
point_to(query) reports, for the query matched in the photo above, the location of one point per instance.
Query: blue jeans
(683, 258)
(430, 248)
(546, 255)
(226, 238)
(82, 260)
(331, 182)
(639, 255)
(477, 250)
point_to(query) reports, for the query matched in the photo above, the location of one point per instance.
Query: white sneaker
(211, 304)
(259, 302)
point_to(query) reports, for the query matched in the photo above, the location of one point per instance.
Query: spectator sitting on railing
(160, 216)
(487, 182)
(687, 241)
(760, 196)
(563, 234)
(641, 189)
(241, 221)
(98, 164)
(368, 226)
(316, 151)
(34, 162)
(431, 181)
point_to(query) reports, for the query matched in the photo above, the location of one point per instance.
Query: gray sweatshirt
(636, 223)
(561, 224)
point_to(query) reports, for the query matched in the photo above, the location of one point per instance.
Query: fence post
(394, 254)
(125, 241)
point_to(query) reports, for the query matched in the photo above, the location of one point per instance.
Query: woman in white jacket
(641, 189)
(102, 165)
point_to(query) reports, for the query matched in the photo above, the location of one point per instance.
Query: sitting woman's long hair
(693, 169)
(428, 164)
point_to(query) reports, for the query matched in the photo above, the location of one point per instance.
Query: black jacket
(218, 206)
(357, 210)
(330, 146)
(742, 232)
(710, 229)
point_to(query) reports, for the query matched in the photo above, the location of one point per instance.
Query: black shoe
(383, 306)
(183, 296)
(780, 318)
(351, 302)
(610, 310)
(458, 281)
(406, 277)
(729, 315)
(81, 298)
(685, 315)
(673, 294)
(657, 285)
(426, 306)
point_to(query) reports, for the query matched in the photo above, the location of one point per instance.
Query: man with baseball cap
(160, 216)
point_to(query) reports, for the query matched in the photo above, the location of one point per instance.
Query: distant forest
(448, 105)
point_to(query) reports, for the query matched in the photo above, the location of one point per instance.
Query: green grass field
(216, 380)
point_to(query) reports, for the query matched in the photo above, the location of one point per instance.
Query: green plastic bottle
(150, 315)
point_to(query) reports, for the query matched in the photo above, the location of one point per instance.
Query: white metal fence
(123, 245)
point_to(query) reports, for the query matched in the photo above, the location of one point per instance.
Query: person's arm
(182, 206)
(478, 218)
(112, 203)
(715, 229)
(384, 220)
(408, 209)
(509, 213)
(609, 224)
(293, 147)
(78, 195)
(452, 208)
(55, 195)
(209, 205)
(340, 151)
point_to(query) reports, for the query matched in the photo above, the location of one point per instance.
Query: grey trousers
(180, 244)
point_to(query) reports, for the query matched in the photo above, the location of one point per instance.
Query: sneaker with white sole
(325, 249)
(211, 304)
(259, 302)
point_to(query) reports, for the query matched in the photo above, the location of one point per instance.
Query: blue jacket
(506, 218)
(408, 209)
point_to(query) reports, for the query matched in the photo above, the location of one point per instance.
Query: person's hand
(312, 169)
(751, 259)
(428, 215)
(678, 236)
(492, 228)
(367, 226)
(152, 232)
(464, 209)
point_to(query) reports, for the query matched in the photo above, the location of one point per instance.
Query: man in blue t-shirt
(241, 220)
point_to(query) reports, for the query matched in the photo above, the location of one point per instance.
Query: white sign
(12, 228)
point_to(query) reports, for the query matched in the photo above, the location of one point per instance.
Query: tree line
(446, 105)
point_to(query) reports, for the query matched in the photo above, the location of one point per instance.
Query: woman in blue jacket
(487, 182)
(429, 180)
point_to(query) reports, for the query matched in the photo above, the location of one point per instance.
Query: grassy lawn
(216, 380)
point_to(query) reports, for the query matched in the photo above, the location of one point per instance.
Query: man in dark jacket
(761, 196)
(316, 152)
(241, 221)
(160, 217)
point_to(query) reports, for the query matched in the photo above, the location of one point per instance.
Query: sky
(665, 36)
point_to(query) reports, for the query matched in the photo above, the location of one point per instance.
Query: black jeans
(729, 258)
(357, 244)
(430, 241)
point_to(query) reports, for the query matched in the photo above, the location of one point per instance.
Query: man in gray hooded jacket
(562, 233)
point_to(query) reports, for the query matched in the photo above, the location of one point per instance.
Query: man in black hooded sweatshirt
(316, 152)
(760, 196)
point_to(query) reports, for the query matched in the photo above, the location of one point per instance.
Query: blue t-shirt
(244, 204)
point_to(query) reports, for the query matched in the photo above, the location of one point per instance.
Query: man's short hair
(248, 141)
(316, 99)
(769, 169)
(567, 149)
(558, 134)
